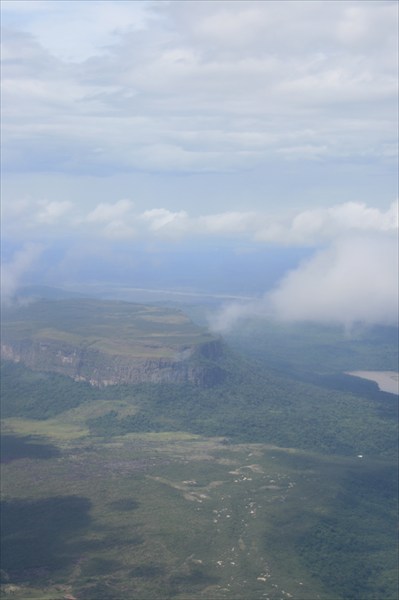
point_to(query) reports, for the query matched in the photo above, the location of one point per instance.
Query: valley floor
(167, 515)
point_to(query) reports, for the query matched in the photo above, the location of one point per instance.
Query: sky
(157, 142)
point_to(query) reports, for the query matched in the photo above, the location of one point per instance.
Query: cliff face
(190, 365)
(109, 343)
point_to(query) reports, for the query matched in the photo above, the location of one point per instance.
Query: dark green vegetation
(14, 447)
(39, 534)
(303, 349)
(360, 550)
(249, 406)
(38, 395)
(270, 484)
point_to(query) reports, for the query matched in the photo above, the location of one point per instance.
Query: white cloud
(51, 212)
(316, 226)
(166, 221)
(313, 227)
(310, 227)
(197, 86)
(269, 122)
(352, 275)
(118, 229)
(111, 221)
(355, 279)
(93, 25)
(105, 212)
(13, 271)
(226, 319)
(228, 222)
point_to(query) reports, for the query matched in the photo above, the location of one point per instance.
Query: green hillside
(265, 485)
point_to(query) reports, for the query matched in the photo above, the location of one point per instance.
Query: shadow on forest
(14, 447)
(37, 535)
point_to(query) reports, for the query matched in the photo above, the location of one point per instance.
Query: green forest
(153, 489)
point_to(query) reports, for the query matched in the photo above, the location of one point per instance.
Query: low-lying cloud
(13, 271)
(351, 275)
(355, 279)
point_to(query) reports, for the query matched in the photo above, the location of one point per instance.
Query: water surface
(387, 381)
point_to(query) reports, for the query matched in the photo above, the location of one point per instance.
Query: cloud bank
(354, 279)
(121, 220)
(131, 130)
(352, 274)
(214, 86)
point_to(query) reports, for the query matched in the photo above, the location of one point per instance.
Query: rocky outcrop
(111, 342)
(197, 364)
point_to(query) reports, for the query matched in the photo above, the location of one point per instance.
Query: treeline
(298, 348)
(249, 406)
(35, 395)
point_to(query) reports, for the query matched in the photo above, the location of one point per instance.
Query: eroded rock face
(189, 365)
(111, 342)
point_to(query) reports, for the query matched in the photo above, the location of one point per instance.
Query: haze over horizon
(246, 147)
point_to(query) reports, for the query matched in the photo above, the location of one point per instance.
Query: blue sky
(157, 124)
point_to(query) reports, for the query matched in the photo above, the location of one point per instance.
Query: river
(388, 381)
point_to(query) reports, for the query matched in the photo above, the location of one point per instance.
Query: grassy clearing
(177, 516)
(98, 408)
(161, 436)
(51, 428)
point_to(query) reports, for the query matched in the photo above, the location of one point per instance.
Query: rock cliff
(146, 345)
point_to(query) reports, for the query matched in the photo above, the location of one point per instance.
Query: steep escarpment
(109, 343)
